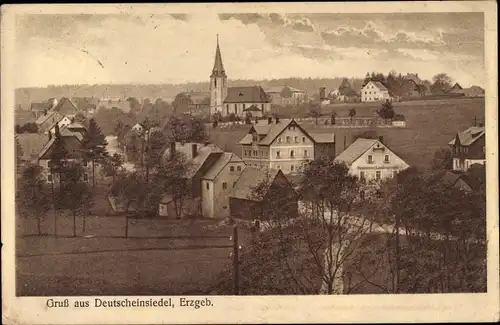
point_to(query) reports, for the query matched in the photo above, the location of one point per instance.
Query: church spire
(218, 70)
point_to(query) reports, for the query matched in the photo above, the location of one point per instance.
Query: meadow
(430, 125)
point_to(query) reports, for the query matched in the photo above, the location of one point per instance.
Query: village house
(286, 95)
(46, 123)
(217, 184)
(457, 180)
(234, 100)
(399, 121)
(73, 144)
(284, 145)
(414, 77)
(42, 108)
(200, 159)
(257, 190)
(31, 146)
(67, 108)
(198, 103)
(456, 89)
(371, 160)
(375, 91)
(473, 91)
(468, 148)
(410, 89)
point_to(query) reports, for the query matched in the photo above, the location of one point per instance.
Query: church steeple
(218, 70)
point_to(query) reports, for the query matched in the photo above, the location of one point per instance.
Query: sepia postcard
(224, 163)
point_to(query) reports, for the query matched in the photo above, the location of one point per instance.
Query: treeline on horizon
(27, 95)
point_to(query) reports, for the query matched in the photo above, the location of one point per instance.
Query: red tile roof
(254, 94)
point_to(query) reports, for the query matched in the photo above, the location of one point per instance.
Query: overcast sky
(93, 49)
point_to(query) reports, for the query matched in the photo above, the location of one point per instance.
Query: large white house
(371, 160)
(375, 91)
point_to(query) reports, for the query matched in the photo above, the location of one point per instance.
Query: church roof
(218, 70)
(253, 94)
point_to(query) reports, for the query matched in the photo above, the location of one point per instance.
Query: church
(240, 101)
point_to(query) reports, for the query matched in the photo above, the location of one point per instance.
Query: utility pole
(236, 260)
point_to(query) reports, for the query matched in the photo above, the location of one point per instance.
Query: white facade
(62, 123)
(399, 124)
(374, 92)
(466, 164)
(377, 164)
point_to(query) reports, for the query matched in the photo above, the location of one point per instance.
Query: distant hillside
(25, 96)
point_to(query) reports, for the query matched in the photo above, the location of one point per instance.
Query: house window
(287, 139)
(291, 168)
(295, 139)
(277, 154)
(255, 153)
(386, 158)
(245, 153)
(49, 178)
(305, 153)
(292, 153)
(234, 183)
(85, 177)
(377, 175)
(362, 176)
(224, 186)
(238, 168)
(370, 159)
(279, 140)
(215, 82)
(208, 186)
(303, 139)
(244, 106)
(231, 169)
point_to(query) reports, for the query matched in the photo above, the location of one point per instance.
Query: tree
(156, 144)
(441, 83)
(308, 253)
(182, 128)
(135, 106)
(19, 153)
(80, 118)
(442, 160)
(129, 189)
(94, 144)
(33, 196)
(29, 128)
(113, 165)
(352, 113)
(171, 178)
(315, 111)
(181, 103)
(386, 111)
(77, 196)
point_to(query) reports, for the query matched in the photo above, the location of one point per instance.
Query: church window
(215, 82)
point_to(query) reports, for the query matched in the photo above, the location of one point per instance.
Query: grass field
(161, 257)
(430, 126)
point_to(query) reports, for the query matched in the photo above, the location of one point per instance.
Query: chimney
(381, 139)
(194, 150)
(277, 120)
(269, 120)
(172, 149)
(322, 91)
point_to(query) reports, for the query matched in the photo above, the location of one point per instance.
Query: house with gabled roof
(456, 89)
(256, 190)
(67, 108)
(218, 182)
(286, 95)
(371, 160)
(375, 91)
(74, 153)
(284, 145)
(468, 148)
(46, 123)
